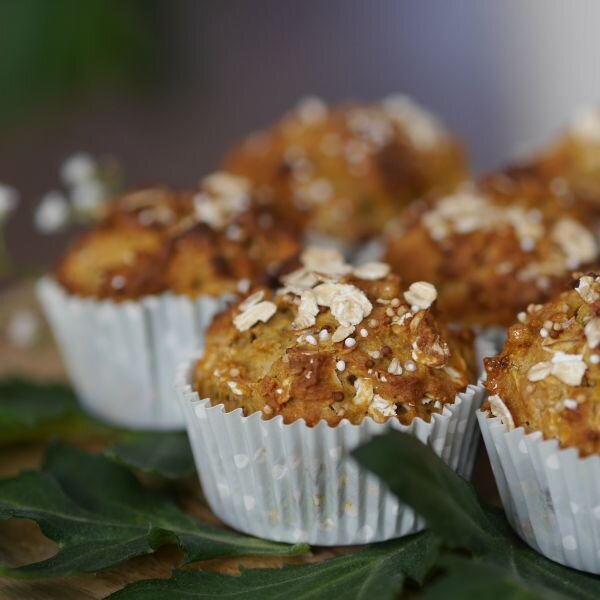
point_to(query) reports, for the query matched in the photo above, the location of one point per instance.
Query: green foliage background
(56, 51)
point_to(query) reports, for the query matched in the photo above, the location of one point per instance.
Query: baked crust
(493, 248)
(300, 362)
(204, 261)
(548, 374)
(345, 172)
(213, 241)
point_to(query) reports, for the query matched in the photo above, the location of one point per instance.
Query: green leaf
(26, 404)
(35, 411)
(537, 570)
(476, 579)
(420, 479)
(52, 53)
(377, 572)
(99, 515)
(166, 454)
(452, 510)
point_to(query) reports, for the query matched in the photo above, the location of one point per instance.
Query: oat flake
(499, 409)
(420, 295)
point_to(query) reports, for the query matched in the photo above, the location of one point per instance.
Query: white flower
(52, 213)
(8, 200)
(88, 196)
(78, 168)
(23, 328)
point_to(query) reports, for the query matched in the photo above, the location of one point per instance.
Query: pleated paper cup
(121, 357)
(494, 335)
(551, 496)
(294, 483)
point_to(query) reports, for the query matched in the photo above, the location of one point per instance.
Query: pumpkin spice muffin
(493, 248)
(547, 377)
(334, 343)
(344, 172)
(157, 239)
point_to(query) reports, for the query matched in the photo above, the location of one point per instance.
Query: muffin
(134, 296)
(495, 247)
(572, 161)
(547, 377)
(157, 239)
(541, 425)
(341, 343)
(291, 380)
(343, 172)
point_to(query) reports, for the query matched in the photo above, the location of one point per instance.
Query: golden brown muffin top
(346, 171)
(336, 342)
(547, 377)
(493, 248)
(213, 241)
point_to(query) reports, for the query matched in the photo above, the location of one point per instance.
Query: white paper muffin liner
(121, 357)
(293, 483)
(495, 335)
(551, 496)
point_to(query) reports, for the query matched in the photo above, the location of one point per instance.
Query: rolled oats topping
(381, 409)
(592, 332)
(222, 198)
(469, 210)
(462, 212)
(539, 371)
(575, 241)
(253, 310)
(364, 391)
(298, 281)
(341, 333)
(318, 265)
(251, 300)
(395, 368)
(587, 288)
(348, 304)
(420, 295)
(568, 368)
(308, 310)
(499, 409)
(372, 271)
(327, 261)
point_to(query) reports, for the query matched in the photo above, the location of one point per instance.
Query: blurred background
(166, 87)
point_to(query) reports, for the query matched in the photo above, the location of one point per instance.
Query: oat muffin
(547, 377)
(572, 162)
(336, 342)
(493, 248)
(344, 172)
(213, 241)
